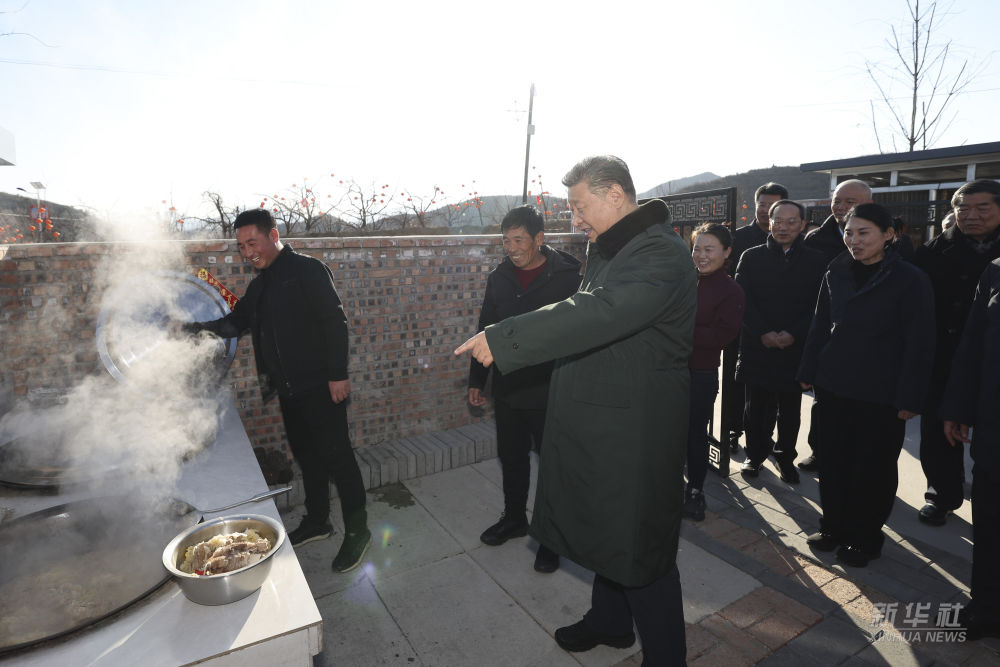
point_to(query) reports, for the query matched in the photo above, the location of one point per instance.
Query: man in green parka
(610, 484)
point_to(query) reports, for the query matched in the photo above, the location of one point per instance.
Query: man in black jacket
(971, 401)
(531, 276)
(780, 280)
(829, 240)
(299, 332)
(748, 236)
(954, 260)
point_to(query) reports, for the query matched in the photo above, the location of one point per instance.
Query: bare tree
(226, 215)
(927, 72)
(21, 34)
(419, 205)
(302, 209)
(364, 209)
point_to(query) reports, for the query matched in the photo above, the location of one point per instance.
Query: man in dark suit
(970, 401)
(954, 260)
(780, 279)
(748, 236)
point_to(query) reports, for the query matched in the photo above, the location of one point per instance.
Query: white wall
(6, 147)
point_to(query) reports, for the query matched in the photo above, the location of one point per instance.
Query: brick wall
(409, 300)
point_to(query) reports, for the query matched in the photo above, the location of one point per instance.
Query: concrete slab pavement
(430, 593)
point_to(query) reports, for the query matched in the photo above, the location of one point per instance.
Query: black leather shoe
(933, 515)
(822, 542)
(504, 529)
(694, 506)
(750, 469)
(855, 556)
(578, 637)
(788, 472)
(734, 442)
(809, 463)
(546, 560)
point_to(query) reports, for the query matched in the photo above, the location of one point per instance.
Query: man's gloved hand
(178, 329)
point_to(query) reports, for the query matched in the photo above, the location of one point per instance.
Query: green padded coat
(610, 485)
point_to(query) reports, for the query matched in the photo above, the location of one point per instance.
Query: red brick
(699, 641)
(778, 629)
(749, 646)
(722, 655)
(775, 556)
(781, 602)
(749, 609)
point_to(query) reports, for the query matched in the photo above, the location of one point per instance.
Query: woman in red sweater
(718, 322)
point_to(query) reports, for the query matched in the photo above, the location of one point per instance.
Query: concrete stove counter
(277, 625)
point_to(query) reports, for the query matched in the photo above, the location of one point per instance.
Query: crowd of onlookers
(600, 372)
(880, 332)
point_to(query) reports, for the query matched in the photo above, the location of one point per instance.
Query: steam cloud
(136, 431)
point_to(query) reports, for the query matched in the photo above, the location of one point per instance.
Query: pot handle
(256, 499)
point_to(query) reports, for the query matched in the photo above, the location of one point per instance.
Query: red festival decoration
(230, 298)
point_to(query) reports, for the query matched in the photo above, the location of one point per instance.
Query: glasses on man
(785, 222)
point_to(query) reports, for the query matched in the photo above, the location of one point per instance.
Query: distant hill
(801, 185)
(465, 215)
(72, 223)
(672, 187)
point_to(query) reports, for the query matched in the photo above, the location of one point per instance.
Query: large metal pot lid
(134, 318)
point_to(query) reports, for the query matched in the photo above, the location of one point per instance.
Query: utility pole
(527, 147)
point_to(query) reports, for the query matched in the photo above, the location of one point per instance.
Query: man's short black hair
(786, 202)
(771, 188)
(526, 216)
(259, 217)
(600, 172)
(976, 187)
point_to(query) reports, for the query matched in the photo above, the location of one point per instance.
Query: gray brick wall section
(416, 456)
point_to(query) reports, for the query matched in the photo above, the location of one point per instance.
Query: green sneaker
(352, 551)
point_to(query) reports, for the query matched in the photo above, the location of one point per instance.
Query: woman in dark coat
(868, 355)
(717, 323)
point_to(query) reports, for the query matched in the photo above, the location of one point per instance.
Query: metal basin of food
(217, 589)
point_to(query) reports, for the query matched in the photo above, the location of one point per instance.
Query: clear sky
(119, 105)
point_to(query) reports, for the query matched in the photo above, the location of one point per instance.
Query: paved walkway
(430, 593)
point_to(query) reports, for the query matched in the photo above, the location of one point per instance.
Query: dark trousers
(317, 434)
(765, 409)
(517, 428)
(986, 543)
(733, 394)
(704, 389)
(944, 465)
(858, 472)
(656, 609)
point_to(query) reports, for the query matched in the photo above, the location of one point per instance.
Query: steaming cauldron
(72, 565)
(152, 374)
